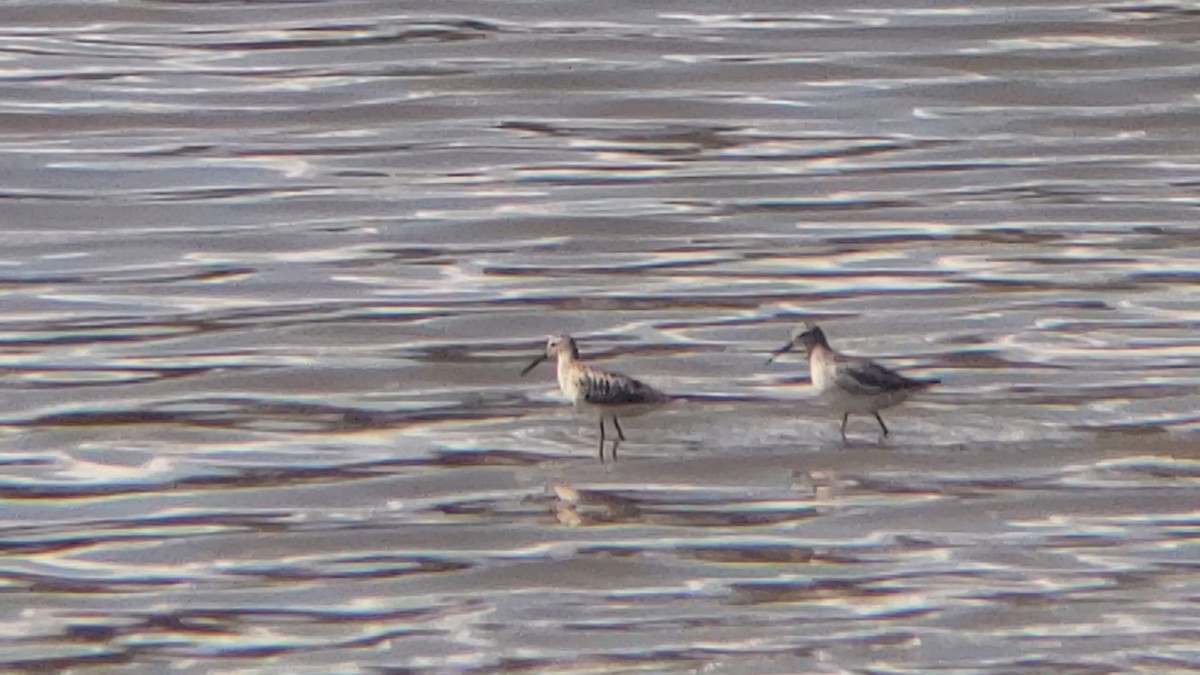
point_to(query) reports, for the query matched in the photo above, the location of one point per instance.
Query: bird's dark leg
(881, 424)
(601, 440)
(620, 433)
(845, 419)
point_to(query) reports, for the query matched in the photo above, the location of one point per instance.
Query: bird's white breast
(822, 372)
(568, 380)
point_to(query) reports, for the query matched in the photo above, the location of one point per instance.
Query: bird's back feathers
(601, 387)
(862, 377)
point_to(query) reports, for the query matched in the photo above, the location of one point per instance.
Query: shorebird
(851, 385)
(602, 393)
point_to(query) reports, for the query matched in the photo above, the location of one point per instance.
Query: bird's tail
(921, 384)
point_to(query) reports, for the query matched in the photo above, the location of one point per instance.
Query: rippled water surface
(270, 271)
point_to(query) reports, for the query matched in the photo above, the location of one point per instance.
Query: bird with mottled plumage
(849, 384)
(602, 393)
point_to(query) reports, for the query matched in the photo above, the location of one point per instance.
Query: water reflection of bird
(851, 385)
(602, 393)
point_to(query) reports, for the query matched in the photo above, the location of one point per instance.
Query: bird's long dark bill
(781, 351)
(533, 365)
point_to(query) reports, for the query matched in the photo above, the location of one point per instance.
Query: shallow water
(271, 270)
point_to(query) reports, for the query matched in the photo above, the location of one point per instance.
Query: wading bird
(604, 394)
(851, 386)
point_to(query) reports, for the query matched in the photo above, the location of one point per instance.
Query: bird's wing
(867, 378)
(601, 387)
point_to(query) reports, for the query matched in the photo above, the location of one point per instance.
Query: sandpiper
(602, 393)
(851, 385)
